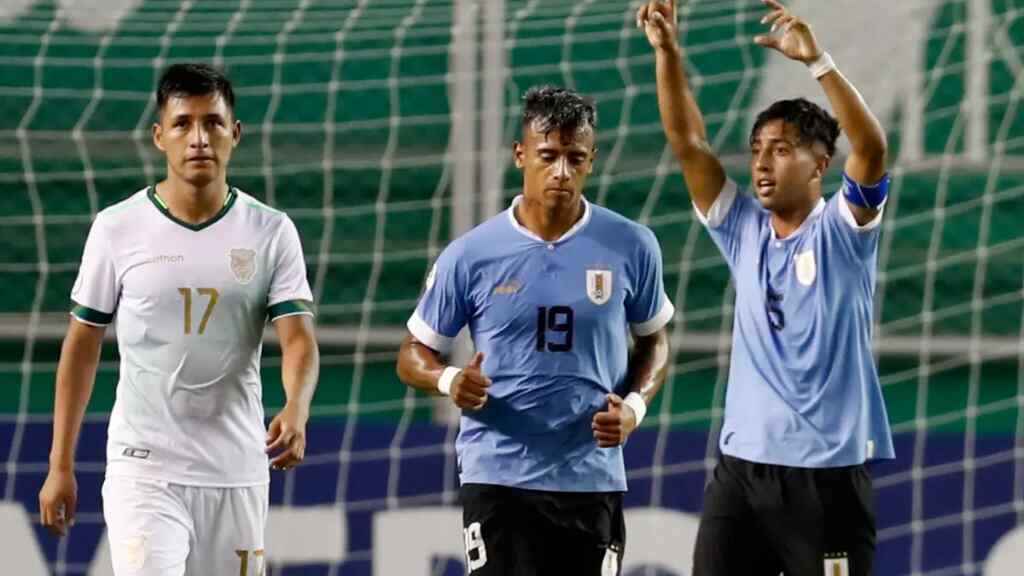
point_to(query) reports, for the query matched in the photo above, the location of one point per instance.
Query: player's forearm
(300, 369)
(648, 365)
(680, 115)
(862, 128)
(76, 375)
(419, 366)
(685, 131)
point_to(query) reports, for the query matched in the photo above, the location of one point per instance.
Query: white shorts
(161, 529)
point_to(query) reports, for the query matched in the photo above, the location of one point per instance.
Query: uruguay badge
(599, 286)
(806, 268)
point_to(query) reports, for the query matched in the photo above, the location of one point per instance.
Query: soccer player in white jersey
(804, 410)
(190, 270)
(550, 290)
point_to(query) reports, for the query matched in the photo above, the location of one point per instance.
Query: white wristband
(444, 383)
(823, 65)
(635, 401)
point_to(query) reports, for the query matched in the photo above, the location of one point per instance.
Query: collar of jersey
(568, 233)
(229, 201)
(818, 209)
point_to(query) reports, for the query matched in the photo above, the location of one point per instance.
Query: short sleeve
(289, 292)
(97, 289)
(730, 214)
(648, 308)
(443, 308)
(859, 242)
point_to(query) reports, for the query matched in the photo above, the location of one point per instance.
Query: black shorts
(516, 532)
(761, 519)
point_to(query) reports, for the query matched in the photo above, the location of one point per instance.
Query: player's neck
(190, 204)
(548, 222)
(786, 223)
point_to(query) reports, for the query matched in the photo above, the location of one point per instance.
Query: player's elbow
(401, 368)
(874, 149)
(694, 154)
(688, 144)
(404, 367)
(402, 371)
(878, 151)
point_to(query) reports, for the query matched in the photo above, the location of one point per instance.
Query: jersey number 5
(555, 319)
(186, 293)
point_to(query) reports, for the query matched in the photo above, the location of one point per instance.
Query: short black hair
(813, 123)
(193, 79)
(558, 108)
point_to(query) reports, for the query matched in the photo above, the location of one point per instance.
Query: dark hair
(813, 123)
(193, 79)
(558, 108)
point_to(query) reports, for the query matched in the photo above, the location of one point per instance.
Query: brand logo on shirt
(599, 286)
(165, 259)
(508, 288)
(243, 264)
(806, 269)
(139, 453)
(837, 564)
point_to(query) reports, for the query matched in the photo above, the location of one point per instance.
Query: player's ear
(593, 159)
(517, 154)
(158, 132)
(822, 162)
(236, 132)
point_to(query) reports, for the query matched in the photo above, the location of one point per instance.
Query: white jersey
(191, 303)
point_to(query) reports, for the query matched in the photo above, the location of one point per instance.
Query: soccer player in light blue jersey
(804, 410)
(550, 289)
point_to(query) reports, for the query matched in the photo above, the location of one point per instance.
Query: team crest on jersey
(243, 264)
(599, 286)
(806, 268)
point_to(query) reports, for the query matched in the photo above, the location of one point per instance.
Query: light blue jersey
(803, 389)
(552, 321)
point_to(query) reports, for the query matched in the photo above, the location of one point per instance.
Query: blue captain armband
(866, 196)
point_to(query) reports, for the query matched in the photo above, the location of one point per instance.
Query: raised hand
(612, 426)
(469, 388)
(658, 20)
(796, 40)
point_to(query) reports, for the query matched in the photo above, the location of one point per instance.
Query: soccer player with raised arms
(550, 289)
(190, 270)
(804, 410)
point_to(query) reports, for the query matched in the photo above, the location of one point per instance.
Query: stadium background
(383, 127)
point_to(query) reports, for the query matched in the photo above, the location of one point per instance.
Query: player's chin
(769, 200)
(199, 180)
(560, 195)
(200, 174)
